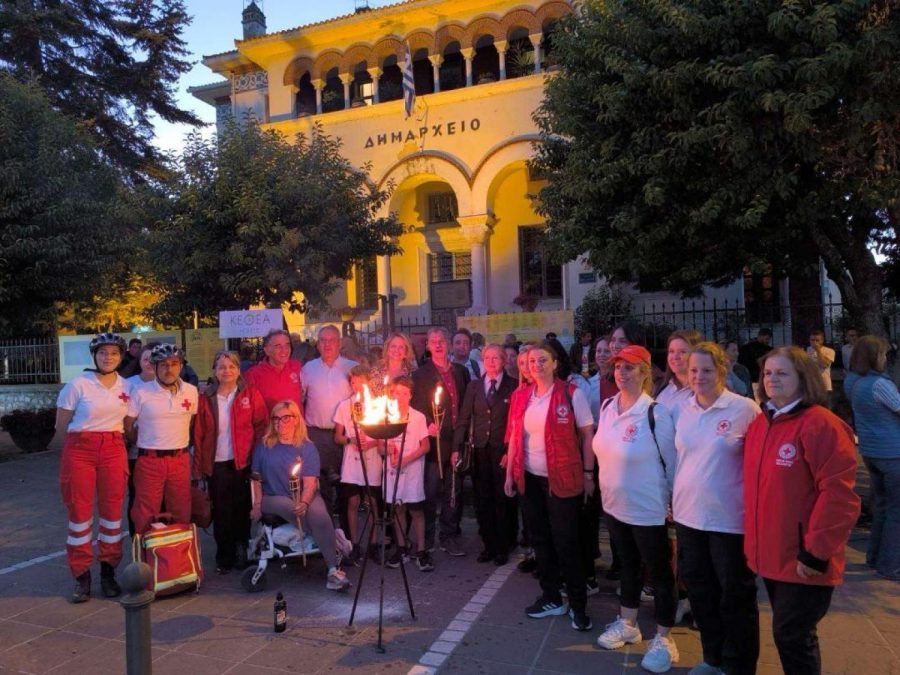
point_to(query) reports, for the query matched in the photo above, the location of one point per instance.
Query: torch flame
(437, 395)
(378, 409)
(297, 468)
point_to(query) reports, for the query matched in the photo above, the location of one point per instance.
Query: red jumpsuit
(94, 463)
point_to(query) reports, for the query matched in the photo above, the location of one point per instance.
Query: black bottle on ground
(280, 613)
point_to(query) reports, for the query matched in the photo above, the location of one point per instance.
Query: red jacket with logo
(799, 503)
(563, 445)
(249, 422)
(276, 385)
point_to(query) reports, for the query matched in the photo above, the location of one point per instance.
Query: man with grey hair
(326, 383)
(452, 378)
(277, 377)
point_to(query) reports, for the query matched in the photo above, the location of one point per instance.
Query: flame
(297, 468)
(378, 409)
(437, 395)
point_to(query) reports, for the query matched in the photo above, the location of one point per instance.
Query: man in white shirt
(824, 357)
(163, 410)
(326, 382)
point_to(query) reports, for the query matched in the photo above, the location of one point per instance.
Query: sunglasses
(283, 418)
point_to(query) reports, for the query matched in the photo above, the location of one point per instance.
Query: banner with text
(249, 323)
(527, 326)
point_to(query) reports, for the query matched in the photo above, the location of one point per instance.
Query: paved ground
(469, 616)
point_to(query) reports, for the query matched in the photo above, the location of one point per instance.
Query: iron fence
(720, 321)
(29, 361)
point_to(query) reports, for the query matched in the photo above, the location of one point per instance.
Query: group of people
(702, 486)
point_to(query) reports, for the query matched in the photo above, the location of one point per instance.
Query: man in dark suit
(452, 378)
(483, 414)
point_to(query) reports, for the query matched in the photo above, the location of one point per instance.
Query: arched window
(306, 96)
(333, 93)
(390, 84)
(361, 89)
(423, 73)
(486, 62)
(520, 54)
(453, 69)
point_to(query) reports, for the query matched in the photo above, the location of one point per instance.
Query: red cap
(632, 354)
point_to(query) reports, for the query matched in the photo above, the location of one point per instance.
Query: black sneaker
(451, 547)
(398, 557)
(528, 564)
(423, 561)
(580, 620)
(82, 590)
(354, 557)
(108, 584)
(544, 608)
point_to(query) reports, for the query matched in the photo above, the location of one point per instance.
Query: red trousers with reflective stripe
(158, 477)
(93, 463)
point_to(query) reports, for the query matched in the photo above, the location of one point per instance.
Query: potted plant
(526, 301)
(520, 61)
(30, 430)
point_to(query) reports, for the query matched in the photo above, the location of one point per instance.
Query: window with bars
(442, 208)
(367, 284)
(450, 266)
(538, 276)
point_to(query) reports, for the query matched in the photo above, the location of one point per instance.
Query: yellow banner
(527, 326)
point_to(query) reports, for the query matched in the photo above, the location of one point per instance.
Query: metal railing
(29, 361)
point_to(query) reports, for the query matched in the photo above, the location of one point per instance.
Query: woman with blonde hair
(674, 390)
(398, 359)
(286, 443)
(231, 419)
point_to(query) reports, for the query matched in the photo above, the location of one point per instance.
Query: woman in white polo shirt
(635, 449)
(94, 465)
(675, 391)
(708, 509)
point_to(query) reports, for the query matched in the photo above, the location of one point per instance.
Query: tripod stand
(382, 432)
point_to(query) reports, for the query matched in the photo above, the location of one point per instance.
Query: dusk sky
(216, 24)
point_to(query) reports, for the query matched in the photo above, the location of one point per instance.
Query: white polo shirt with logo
(163, 417)
(709, 479)
(95, 406)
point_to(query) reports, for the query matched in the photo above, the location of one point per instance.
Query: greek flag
(409, 85)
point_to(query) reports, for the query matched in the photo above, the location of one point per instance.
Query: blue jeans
(884, 541)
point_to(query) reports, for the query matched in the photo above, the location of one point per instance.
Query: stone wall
(28, 397)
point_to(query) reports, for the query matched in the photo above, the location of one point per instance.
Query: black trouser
(553, 527)
(438, 491)
(590, 532)
(330, 456)
(647, 544)
(796, 610)
(229, 492)
(494, 510)
(722, 591)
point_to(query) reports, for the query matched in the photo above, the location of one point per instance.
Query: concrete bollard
(136, 601)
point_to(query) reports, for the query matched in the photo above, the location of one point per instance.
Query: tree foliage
(108, 64)
(60, 238)
(688, 139)
(256, 218)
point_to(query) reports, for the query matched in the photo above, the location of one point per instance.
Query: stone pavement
(469, 616)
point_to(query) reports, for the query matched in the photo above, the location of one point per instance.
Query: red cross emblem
(124, 397)
(186, 404)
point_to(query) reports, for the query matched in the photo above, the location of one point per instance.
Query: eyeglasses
(283, 418)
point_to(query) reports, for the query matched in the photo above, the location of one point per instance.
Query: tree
(256, 219)
(688, 139)
(108, 64)
(60, 240)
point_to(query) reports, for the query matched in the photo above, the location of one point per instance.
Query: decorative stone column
(476, 229)
(436, 61)
(502, 46)
(375, 73)
(536, 43)
(468, 53)
(318, 85)
(346, 79)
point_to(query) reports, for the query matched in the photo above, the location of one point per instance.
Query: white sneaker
(337, 580)
(660, 656)
(343, 545)
(618, 634)
(683, 609)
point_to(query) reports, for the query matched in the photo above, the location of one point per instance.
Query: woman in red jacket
(799, 503)
(550, 463)
(231, 419)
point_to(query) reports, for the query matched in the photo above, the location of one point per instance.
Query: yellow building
(457, 164)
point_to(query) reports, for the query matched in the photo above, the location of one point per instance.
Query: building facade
(457, 166)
